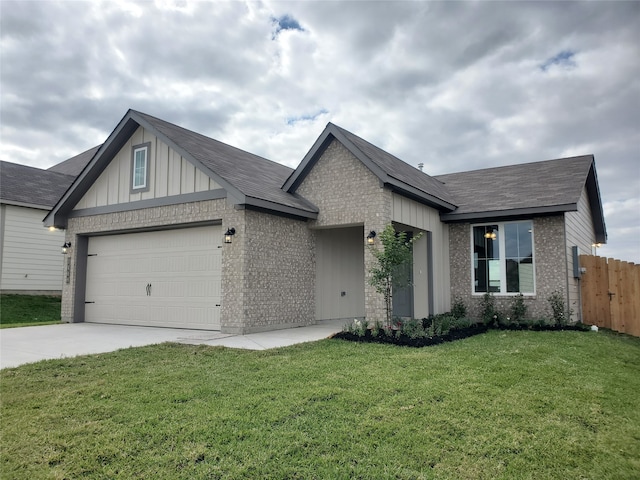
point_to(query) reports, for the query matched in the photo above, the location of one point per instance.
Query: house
(30, 259)
(74, 165)
(170, 228)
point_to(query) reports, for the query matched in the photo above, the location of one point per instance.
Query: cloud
(453, 85)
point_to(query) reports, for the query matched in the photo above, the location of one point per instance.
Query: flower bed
(437, 330)
(396, 337)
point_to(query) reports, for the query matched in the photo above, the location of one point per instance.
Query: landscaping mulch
(457, 334)
(405, 340)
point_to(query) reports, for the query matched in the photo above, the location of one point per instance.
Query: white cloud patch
(453, 85)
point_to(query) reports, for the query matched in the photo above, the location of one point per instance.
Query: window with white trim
(503, 259)
(140, 167)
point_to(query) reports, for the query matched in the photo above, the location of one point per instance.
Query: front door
(403, 295)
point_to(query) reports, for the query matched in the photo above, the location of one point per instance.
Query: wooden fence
(610, 291)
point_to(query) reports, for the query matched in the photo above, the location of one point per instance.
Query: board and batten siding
(411, 213)
(340, 273)
(31, 258)
(169, 174)
(579, 232)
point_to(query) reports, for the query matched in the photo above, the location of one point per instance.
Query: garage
(167, 278)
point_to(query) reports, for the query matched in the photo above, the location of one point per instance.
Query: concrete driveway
(31, 344)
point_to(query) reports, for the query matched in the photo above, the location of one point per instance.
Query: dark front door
(403, 295)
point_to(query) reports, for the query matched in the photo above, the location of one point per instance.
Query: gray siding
(340, 268)
(31, 259)
(426, 219)
(580, 233)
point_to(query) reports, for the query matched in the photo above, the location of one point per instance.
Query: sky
(454, 85)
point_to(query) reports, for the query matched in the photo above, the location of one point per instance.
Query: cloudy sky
(454, 85)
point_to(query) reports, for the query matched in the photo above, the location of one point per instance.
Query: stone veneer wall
(204, 211)
(348, 194)
(550, 267)
(279, 273)
(268, 271)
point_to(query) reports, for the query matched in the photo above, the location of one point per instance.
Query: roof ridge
(41, 170)
(511, 165)
(344, 130)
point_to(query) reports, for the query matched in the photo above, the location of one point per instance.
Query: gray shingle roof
(547, 184)
(74, 165)
(399, 169)
(256, 177)
(31, 186)
(390, 170)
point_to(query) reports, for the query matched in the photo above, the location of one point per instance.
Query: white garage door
(168, 278)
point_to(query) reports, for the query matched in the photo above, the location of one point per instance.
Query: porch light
(371, 237)
(228, 234)
(491, 233)
(66, 247)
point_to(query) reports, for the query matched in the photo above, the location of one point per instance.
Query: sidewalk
(31, 344)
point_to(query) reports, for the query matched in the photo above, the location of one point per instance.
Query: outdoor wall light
(66, 247)
(371, 237)
(491, 233)
(228, 234)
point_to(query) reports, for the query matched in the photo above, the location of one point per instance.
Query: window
(503, 258)
(140, 167)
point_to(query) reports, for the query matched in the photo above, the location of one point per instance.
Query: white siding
(421, 217)
(579, 232)
(169, 174)
(31, 257)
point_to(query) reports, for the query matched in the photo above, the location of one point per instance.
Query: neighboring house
(74, 165)
(171, 228)
(30, 258)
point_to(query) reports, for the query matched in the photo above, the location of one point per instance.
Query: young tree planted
(396, 251)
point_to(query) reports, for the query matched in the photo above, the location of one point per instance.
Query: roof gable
(390, 170)
(169, 175)
(30, 186)
(248, 179)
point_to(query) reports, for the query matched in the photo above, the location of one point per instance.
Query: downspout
(566, 264)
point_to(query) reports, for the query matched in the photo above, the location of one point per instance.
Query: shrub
(357, 327)
(518, 309)
(413, 328)
(460, 323)
(561, 314)
(458, 309)
(375, 328)
(489, 313)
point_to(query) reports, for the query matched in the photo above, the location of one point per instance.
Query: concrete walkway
(31, 344)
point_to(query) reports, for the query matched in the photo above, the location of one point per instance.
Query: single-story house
(171, 228)
(30, 259)
(74, 165)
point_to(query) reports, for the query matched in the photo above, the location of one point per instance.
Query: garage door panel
(182, 266)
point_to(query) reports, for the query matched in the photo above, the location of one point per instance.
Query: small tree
(397, 251)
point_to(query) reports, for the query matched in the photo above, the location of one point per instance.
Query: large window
(140, 168)
(503, 258)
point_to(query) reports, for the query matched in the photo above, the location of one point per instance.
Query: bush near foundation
(452, 326)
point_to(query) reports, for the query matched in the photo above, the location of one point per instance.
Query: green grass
(26, 310)
(506, 405)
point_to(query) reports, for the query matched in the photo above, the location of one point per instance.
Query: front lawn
(25, 310)
(499, 405)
